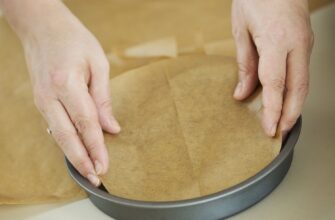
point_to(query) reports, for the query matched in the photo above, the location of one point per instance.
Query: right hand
(274, 42)
(70, 76)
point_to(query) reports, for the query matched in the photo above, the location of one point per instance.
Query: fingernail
(273, 129)
(238, 89)
(115, 125)
(93, 179)
(98, 167)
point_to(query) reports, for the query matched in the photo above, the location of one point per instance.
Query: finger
(272, 72)
(247, 59)
(297, 88)
(81, 109)
(66, 137)
(100, 92)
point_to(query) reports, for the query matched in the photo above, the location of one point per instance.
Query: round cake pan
(215, 206)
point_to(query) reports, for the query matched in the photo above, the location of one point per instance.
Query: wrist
(31, 19)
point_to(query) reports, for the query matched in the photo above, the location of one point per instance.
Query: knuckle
(63, 136)
(277, 83)
(106, 104)
(81, 164)
(302, 89)
(83, 123)
(92, 146)
(302, 35)
(58, 78)
(272, 109)
(275, 33)
(279, 34)
(246, 68)
(303, 38)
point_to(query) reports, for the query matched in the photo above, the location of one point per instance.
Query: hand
(274, 42)
(70, 76)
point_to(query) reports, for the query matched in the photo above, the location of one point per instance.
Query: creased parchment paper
(183, 134)
(195, 24)
(31, 165)
(122, 25)
(32, 168)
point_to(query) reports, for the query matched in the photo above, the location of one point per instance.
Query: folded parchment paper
(31, 165)
(123, 24)
(195, 24)
(183, 133)
(32, 168)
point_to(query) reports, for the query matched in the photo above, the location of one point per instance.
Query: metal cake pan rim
(287, 148)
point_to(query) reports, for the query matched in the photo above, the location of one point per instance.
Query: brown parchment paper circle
(183, 134)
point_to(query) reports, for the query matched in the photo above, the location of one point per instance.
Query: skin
(70, 73)
(274, 40)
(70, 76)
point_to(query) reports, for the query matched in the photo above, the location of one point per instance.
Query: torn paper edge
(115, 59)
(220, 47)
(165, 47)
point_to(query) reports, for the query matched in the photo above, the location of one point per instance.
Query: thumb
(100, 92)
(247, 59)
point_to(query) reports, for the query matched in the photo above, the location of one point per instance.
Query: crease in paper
(192, 137)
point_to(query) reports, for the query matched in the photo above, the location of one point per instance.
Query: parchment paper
(120, 24)
(123, 24)
(31, 165)
(183, 134)
(32, 168)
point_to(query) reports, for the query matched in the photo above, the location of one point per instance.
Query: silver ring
(49, 131)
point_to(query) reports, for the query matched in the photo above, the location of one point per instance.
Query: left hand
(274, 41)
(70, 77)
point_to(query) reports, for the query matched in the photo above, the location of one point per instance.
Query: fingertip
(269, 125)
(238, 91)
(272, 130)
(286, 125)
(87, 169)
(105, 170)
(246, 86)
(110, 125)
(101, 168)
(116, 128)
(94, 179)
(98, 167)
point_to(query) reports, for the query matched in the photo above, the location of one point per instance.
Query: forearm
(29, 17)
